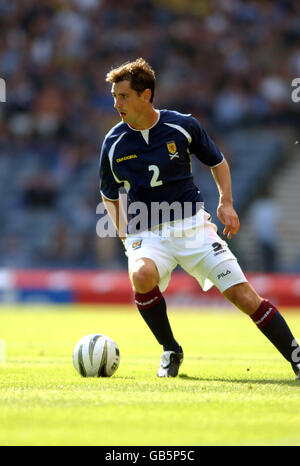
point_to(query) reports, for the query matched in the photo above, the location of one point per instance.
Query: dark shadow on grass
(291, 383)
(187, 377)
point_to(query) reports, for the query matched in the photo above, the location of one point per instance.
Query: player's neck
(148, 120)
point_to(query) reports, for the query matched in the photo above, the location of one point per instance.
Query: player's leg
(218, 266)
(150, 265)
(268, 319)
(144, 275)
(151, 304)
(150, 301)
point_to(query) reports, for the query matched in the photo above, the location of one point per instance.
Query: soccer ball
(96, 355)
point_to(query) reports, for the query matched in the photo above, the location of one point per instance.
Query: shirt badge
(172, 149)
(137, 244)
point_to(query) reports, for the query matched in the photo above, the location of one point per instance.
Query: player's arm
(207, 152)
(111, 198)
(116, 211)
(225, 211)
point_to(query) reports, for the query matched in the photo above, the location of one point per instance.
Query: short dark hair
(139, 73)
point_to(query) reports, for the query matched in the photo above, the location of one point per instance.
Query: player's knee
(144, 276)
(244, 297)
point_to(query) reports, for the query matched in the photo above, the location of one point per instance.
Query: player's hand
(228, 216)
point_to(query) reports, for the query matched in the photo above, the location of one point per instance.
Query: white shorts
(194, 245)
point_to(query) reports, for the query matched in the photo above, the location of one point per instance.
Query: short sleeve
(108, 185)
(203, 146)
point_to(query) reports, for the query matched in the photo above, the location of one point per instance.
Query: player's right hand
(228, 216)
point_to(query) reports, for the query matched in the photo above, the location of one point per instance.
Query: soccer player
(149, 154)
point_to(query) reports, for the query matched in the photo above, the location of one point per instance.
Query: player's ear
(147, 95)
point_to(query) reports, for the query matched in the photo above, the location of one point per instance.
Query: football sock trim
(148, 300)
(264, 314)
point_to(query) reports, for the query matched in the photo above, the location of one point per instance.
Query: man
(148, 153)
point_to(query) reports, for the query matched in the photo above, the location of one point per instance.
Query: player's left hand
(228, 216)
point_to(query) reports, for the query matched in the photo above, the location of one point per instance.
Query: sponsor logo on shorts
(223, 274)
(218, 248)
(219, 252)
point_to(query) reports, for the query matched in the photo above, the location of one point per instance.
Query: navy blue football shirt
(154, 165)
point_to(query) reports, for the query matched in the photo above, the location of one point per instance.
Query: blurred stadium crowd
(229, 62)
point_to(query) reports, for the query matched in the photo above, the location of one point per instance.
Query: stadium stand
(284, 195)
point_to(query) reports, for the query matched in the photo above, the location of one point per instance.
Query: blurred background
(228, 62)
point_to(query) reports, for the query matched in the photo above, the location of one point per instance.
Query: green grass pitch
(234, 388)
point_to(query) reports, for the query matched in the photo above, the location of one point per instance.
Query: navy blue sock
(271, 323)
(153, 309)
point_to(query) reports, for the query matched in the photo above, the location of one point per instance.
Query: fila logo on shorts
(223, 274)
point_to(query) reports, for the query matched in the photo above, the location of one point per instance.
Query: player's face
(129, 103)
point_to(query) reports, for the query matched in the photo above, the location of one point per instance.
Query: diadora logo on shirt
(172, 149)
(126, 157)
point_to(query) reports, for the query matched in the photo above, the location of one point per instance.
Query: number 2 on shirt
(154, 180)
